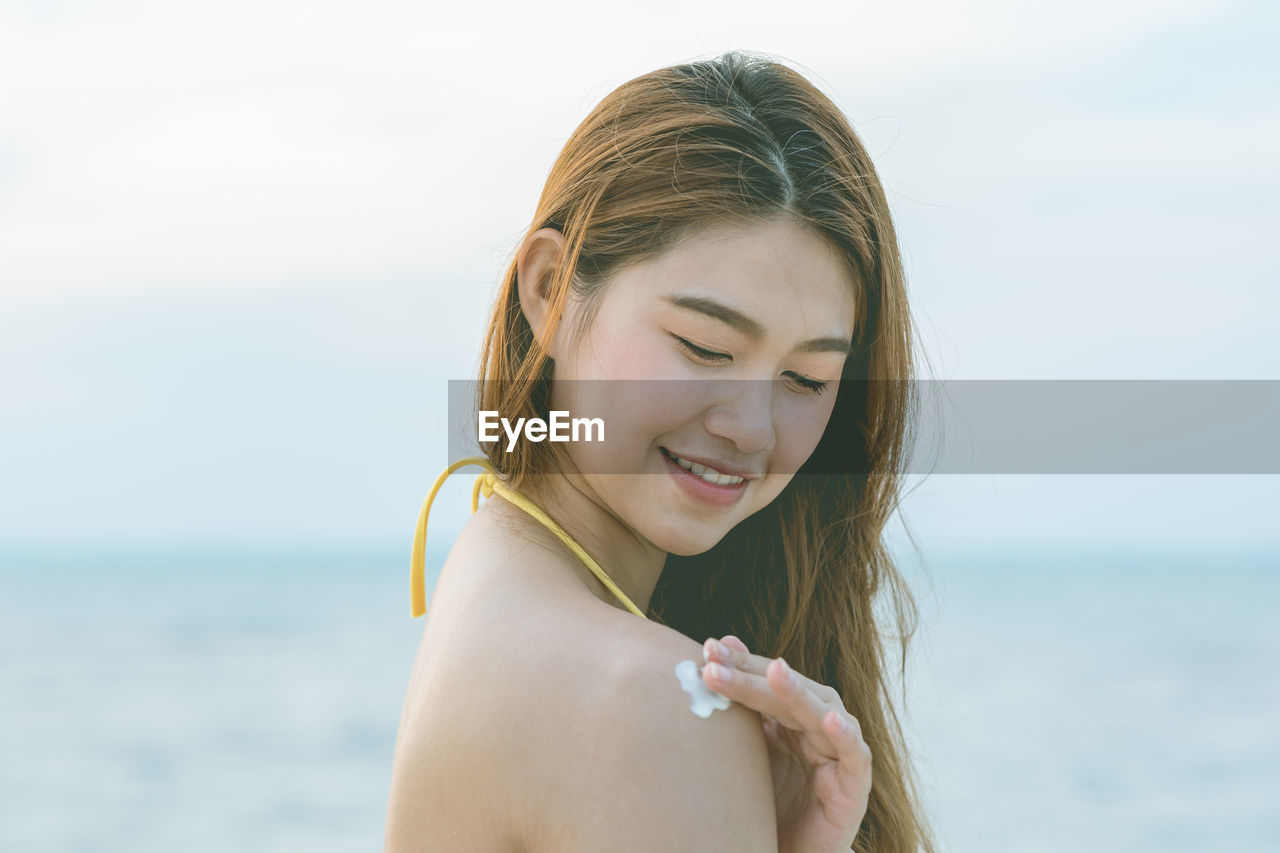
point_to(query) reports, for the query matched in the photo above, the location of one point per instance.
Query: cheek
(636, 413)
(799, 426)
(618, 349)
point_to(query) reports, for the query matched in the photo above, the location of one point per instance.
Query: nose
(743, 413)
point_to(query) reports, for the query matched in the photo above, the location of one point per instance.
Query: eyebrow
(744, 324)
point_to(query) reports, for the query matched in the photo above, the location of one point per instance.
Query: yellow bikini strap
(417, 563)
(486, 484)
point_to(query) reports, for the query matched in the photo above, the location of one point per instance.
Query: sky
(243, 246)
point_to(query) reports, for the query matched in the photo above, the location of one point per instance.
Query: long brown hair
(741, 139)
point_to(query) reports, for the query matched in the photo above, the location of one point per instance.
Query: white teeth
(706, 473)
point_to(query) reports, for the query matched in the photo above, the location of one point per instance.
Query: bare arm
(643, 774)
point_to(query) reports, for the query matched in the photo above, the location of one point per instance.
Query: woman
(720, 222)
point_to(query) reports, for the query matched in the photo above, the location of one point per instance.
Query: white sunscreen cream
(702, 699)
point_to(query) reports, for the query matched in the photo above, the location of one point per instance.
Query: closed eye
(702, 352)
(813, 385)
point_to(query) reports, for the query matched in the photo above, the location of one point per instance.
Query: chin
(686, 543)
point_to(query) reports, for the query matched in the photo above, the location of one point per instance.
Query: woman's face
(741, 333)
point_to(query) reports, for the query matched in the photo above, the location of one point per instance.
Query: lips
(695, 487)
(706, 465)
(711, 475)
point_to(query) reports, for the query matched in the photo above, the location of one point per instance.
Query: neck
(631, 561)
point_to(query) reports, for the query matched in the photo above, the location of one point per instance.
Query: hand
(821, 771)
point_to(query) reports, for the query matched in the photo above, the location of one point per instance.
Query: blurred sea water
(1089, 698)
(198, 699)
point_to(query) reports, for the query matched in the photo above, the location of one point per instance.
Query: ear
(535, 264)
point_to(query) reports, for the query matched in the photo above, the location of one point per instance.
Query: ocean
(200, 699)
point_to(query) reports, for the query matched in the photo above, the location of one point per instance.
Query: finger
(776, 693)
(853, 753)
(730, 650)
(733, 652)
(807, 708)
(739, 658)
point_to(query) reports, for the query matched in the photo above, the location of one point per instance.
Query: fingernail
(722, 649)
(717, 672)
(787, 672)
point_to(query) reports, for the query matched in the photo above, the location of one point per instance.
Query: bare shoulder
(622, 764)
(542, 719)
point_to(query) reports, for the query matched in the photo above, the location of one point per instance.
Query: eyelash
(813, 385)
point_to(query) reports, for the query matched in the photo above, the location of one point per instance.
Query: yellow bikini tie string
(486, 484)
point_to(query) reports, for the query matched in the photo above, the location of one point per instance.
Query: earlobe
(536, 266)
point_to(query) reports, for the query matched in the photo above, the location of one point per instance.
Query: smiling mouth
(708, 474)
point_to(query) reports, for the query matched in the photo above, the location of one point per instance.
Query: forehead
(782, 273)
